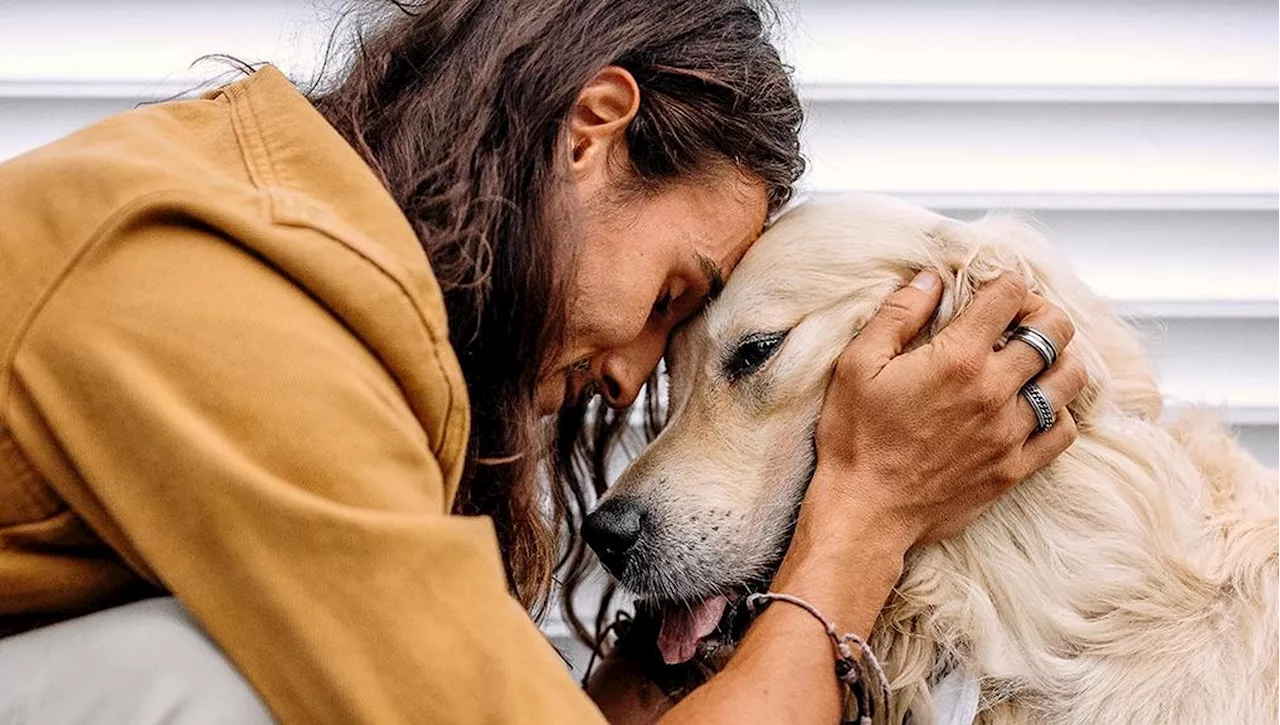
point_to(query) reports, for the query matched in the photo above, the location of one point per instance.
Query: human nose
(625, 370)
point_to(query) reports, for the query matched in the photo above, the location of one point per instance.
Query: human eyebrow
(715, 276)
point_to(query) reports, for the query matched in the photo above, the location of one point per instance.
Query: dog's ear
(975, 253)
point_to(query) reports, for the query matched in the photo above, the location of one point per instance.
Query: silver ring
(1045, 417)
(1038, 342)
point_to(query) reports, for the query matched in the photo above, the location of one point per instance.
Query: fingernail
(925, 280)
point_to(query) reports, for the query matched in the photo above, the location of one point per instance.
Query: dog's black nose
(612, 531)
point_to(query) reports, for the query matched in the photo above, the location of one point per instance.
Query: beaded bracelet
(849, 669)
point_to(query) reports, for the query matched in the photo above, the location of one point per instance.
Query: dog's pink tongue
(683, 627)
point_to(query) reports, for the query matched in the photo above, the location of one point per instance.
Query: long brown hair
(461, 106)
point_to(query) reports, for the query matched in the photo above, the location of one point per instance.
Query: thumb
(901, 317)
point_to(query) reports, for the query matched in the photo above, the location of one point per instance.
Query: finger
(900, 318)
(1040, 449)
(1060, 384)
(1018, 362)
(993, 307)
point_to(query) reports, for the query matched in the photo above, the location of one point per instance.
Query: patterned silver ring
(1045, 417)
(1038, 342)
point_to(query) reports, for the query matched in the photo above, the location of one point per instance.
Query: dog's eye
(752, 353)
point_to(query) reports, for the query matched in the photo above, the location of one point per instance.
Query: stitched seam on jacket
(432, 333)
(113, 222)
(7, 376)
(249, 134)
(247, 130)
(110, 224)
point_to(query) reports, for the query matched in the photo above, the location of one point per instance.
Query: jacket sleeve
(253, 456)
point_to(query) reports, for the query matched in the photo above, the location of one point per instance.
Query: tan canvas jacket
(226, 375)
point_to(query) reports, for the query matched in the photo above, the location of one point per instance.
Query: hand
(923, 442)
(911, 447)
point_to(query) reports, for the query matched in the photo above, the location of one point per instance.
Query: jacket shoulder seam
(434, 334)
(95, 238)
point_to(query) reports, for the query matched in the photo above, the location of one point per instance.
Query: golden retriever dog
(1131, 581)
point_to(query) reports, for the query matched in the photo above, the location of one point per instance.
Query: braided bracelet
(848, 668)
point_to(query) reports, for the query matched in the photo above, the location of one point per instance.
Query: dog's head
(707, 510)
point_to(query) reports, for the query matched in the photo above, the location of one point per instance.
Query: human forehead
(720, 212)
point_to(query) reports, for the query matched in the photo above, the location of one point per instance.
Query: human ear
(601, 114)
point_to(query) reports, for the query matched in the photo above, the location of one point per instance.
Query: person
(300, 361)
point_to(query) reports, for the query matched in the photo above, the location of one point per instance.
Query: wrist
(848, 508)
(844, 557)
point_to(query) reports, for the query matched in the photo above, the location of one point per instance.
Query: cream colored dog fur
(1132, 581)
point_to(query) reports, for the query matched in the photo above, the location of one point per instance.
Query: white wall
(1143, 132)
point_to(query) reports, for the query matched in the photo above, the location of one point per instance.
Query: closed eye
(751, 354)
